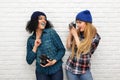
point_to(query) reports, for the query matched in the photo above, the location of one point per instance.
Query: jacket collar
(34, 34)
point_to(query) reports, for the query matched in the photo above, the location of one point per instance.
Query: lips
(43, 24)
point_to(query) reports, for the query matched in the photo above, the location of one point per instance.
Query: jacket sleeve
(95, 43)
(30, 57)
(58, 44)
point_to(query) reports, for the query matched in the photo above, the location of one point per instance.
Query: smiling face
(41, 22)
(81, 25)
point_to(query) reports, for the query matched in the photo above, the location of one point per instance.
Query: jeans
(86, 76)
(56, 76)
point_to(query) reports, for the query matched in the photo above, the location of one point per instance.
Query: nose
(43, 20)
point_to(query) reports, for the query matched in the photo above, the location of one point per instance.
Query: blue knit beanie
(36, 14)
(84, 16)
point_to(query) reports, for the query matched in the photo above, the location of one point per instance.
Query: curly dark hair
(33, 24)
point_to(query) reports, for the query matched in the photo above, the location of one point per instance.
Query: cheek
(45, 21)
(82, 27)
(39, 26)
(39, 21)
(42, 21)
(79, 25)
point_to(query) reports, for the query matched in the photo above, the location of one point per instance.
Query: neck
(39, 30)
(38, 33)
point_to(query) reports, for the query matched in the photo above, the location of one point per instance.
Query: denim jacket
(51, 45)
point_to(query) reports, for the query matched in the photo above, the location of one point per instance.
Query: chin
(42, 27)
(81, 30)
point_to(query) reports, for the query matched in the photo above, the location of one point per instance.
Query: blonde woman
(82, 41)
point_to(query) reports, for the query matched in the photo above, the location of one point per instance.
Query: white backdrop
(14, 15)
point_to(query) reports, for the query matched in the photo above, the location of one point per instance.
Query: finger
(73, 28)
(48, 64)
(42, 65)
(37, 42)
(48, 61)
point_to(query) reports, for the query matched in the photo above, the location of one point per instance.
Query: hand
(73, 31)
(37, 42)
(50, 63)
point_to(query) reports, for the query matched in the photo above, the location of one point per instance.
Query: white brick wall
(14, 15)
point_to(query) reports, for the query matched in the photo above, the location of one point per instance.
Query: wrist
(69, 34)
(34, 49)
(75, 34)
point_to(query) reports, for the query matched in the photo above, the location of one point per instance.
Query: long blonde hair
(85, 44)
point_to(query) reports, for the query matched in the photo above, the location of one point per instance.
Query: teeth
(43, 24)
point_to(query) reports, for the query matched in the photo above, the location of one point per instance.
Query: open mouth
(43, 24)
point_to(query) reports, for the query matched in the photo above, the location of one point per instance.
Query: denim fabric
(56, 76)
(83, 64)
(85, 76)
(51, 45)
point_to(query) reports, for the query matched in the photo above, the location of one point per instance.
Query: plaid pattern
(80, 66)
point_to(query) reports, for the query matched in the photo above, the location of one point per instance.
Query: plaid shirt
(80, 66)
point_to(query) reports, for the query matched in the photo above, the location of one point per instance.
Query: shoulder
(31, 37)
(50, 31)
(97, 37)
